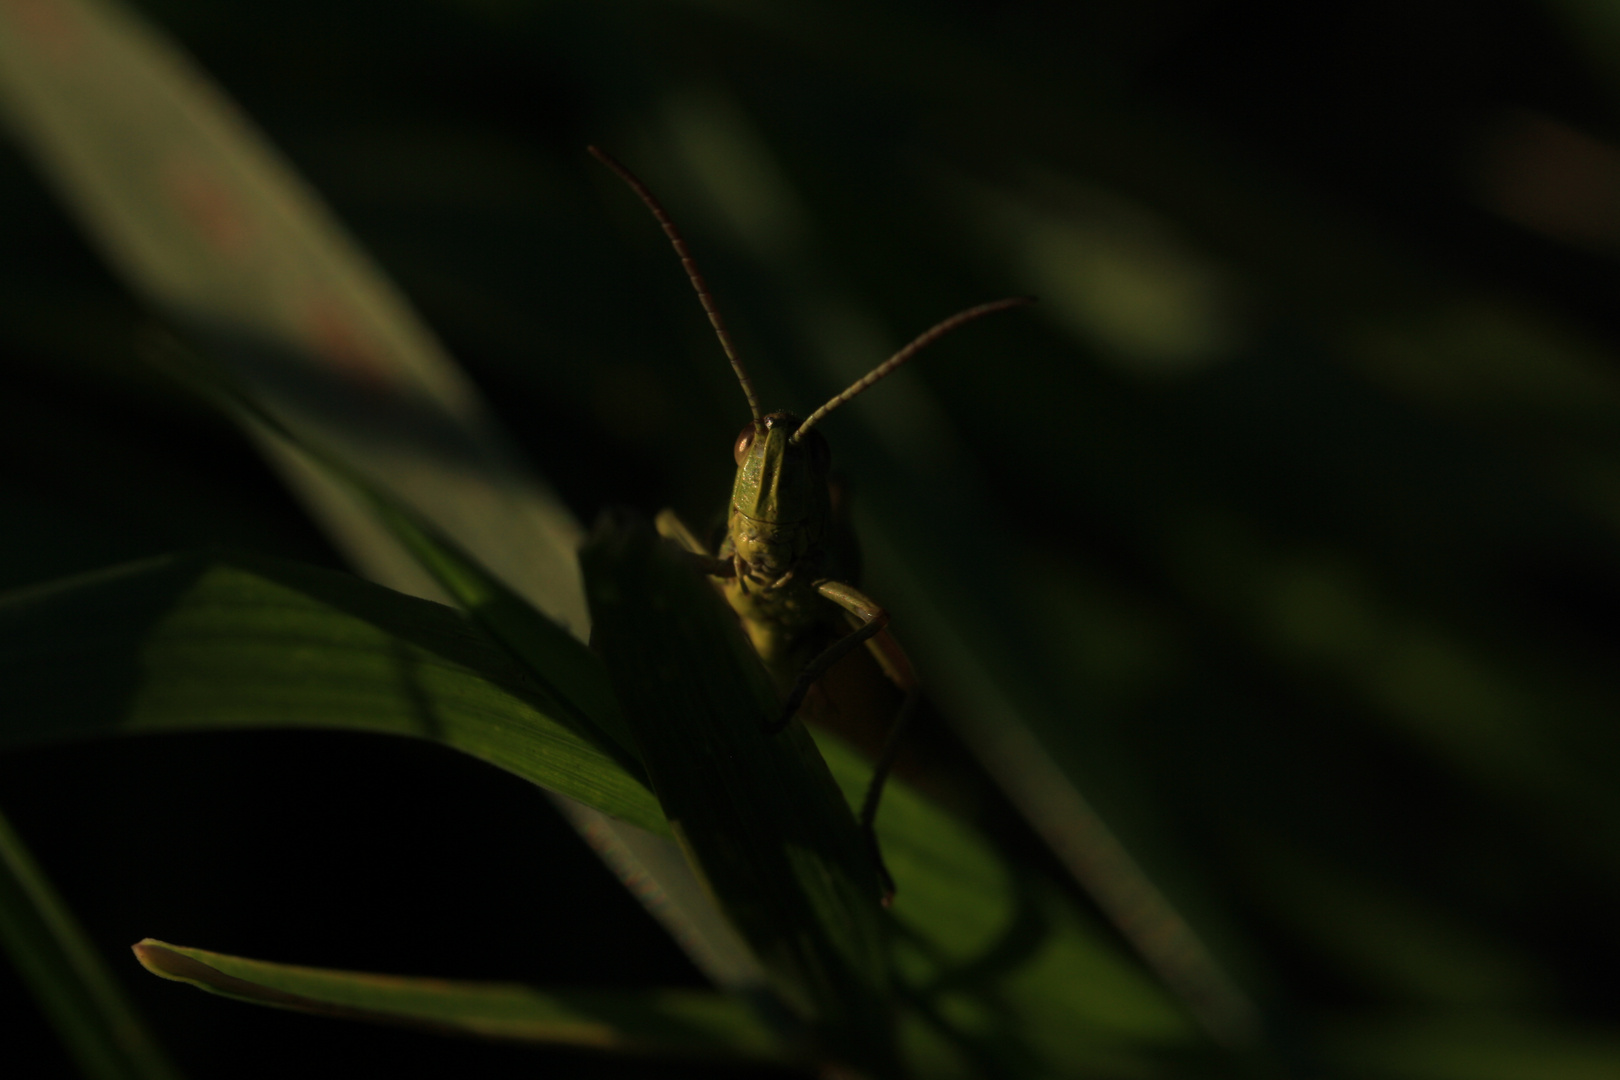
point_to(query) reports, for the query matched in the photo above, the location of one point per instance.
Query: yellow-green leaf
(669, 1023)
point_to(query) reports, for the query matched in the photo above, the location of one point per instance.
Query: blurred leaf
(998, 965)
(200, 216)
(1017, 719)
(662, 1023)
(97, 1025)
(236, 641)
(758, 815)
(1382, 936)
(1440, 1048)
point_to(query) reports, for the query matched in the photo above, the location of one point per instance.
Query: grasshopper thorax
(780, 509)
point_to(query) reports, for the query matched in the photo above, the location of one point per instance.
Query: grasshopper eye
(745, 439)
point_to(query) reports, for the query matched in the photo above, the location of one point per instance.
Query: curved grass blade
(98, 1027)
(571, 676)
(758, 815)
(216, 641)
(662, 1023)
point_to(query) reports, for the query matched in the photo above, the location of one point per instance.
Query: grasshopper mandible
(787, 546)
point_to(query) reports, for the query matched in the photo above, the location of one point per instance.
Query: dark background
(1308, 465)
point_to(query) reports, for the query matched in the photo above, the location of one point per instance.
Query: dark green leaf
(231, 641)
(570, 678)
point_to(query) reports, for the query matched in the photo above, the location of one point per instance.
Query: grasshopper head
(779, 504)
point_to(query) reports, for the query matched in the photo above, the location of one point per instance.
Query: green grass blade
(570, 671)
(664, 1023)
(97, 1025)
(192, 207)
(214, 641)
(758, 814)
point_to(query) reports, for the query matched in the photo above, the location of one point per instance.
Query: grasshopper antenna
(704, 296)
(923, 340)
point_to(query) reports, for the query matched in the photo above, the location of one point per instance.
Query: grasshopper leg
(897, 666)
(872, 633)
(872, 618)
(671, 527)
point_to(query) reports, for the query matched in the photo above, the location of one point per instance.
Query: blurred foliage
(1292, 510)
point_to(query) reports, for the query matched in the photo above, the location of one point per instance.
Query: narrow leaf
(666, 1023)
(97, 1025)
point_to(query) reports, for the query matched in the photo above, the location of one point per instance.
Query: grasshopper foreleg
(671, 527)
(873, 620)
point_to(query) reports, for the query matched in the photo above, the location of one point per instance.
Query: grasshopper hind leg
(897, 666)
(871, 630)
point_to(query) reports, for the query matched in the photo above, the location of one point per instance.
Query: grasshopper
(788, 548)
